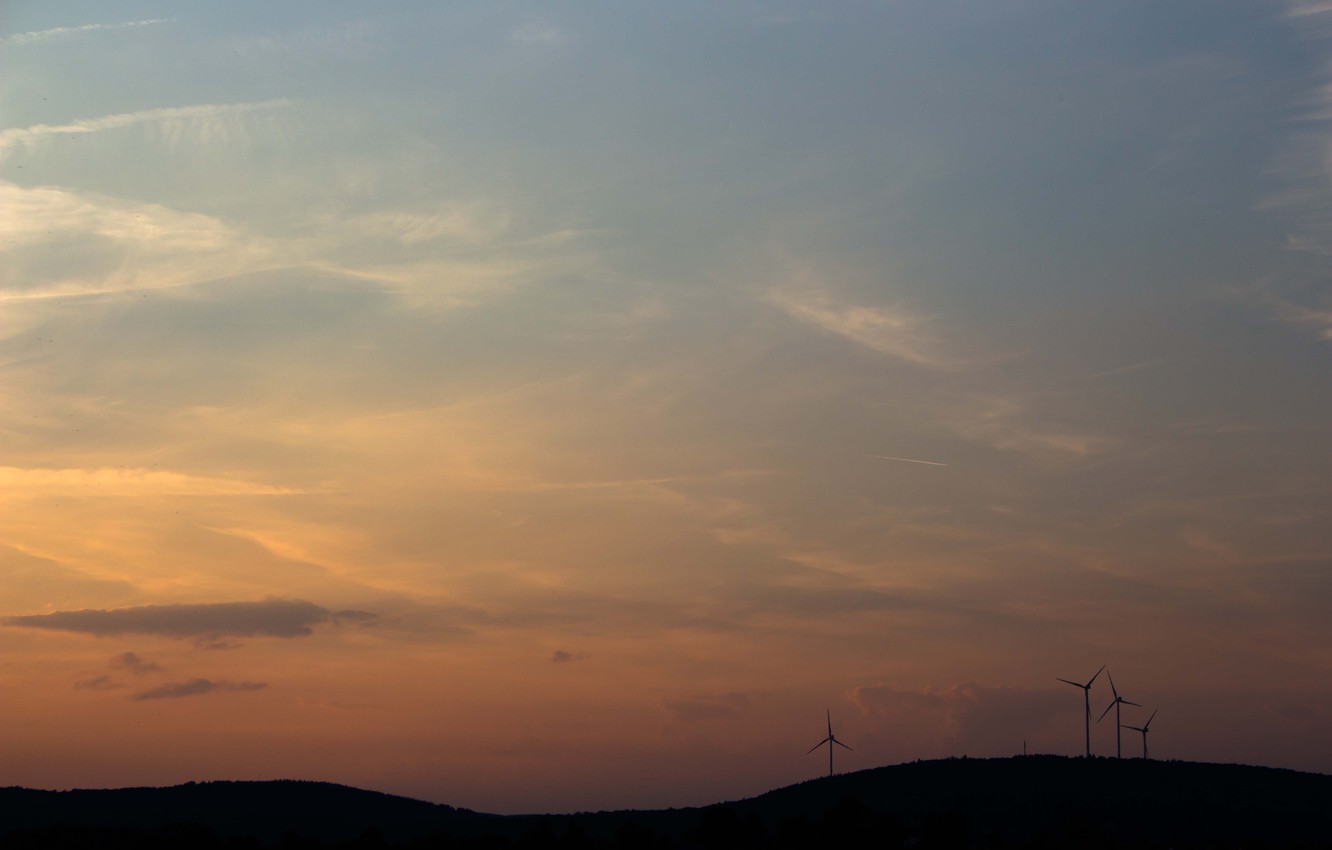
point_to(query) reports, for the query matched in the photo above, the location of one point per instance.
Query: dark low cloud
(216, 643)
(560, 656)
(206, 623)
(352, 617)
(707, 707)
(132, 662)
(196, 687)
(98, 683)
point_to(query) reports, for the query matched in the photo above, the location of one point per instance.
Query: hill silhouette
(1024, 802)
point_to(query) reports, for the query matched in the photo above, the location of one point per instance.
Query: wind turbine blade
(1134, 728)
(829, 713)
(1067, 682)
(1112, 684)
(1126, 702)
(816, 746)
(1093, 678)
(839, 743)
(1149, 720)
(1107, 711)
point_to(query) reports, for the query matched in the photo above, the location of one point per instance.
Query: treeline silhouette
(954, 804)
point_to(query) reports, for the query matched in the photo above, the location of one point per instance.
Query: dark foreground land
(1036, 802)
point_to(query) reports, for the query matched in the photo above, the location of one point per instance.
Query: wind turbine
(1086, 703)
(1143, 729)
(1115, 704)
(830, 740)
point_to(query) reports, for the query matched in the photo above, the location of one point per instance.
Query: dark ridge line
(1012, 802)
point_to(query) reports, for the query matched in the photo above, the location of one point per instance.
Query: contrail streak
(60, 32)
(908, 460)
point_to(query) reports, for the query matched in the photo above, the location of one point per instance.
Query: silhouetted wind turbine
(1143, 729)
(830, 740)
(1086, 703)
(1115, 704)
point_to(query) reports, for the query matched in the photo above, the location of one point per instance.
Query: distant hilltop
(1020, 802)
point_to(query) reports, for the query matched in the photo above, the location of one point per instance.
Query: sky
(561, 406)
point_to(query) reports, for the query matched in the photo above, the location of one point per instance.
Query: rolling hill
(1025, 802)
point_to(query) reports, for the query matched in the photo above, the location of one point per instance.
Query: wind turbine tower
(1086, 703)
(1143, 729)
(831, 740)
(1115, 704)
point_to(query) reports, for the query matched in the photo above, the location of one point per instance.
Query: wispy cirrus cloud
(888, 329)
(169, 247)
(319, 42)
(1319, 320)
(1305, 10)
(1302, 196)
(1007, 423)
(535, 33)
(208, 119)
(57, 33)
(284, 618)
(196, 687)
(37, 211)
(1292, 303)
(460, 223)
(127, 482)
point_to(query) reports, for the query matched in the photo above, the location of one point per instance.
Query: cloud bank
(196, 687)
(267, 618)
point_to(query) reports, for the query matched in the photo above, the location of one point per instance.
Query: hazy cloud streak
(706, 707)
(127, 482)
(965, 715)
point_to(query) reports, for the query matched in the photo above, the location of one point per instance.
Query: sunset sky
(557, 406)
